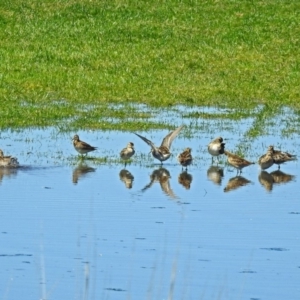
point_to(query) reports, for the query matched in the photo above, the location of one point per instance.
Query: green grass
(58, 56)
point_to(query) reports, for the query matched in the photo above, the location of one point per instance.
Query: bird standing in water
(162, 152)
(185, 158)
(8, 161)
(127, 152)
(81, 146)
(281, 157)
(216, 148)
(238, 162)
(267, 160)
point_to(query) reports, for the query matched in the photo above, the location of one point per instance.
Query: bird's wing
(291, 156)
(123, 151)
(166, 188)
(148, 185)
(167, 141)
(87, 145)
(146, 140)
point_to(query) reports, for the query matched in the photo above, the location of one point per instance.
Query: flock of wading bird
(215, 148)
(162, 153)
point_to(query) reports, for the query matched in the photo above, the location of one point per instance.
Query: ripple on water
(275, 249)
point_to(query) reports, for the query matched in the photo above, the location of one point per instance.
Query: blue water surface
(74, 229)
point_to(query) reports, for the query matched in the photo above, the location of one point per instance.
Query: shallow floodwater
(74, 229)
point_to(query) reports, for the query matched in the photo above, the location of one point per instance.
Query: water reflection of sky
(93, 231)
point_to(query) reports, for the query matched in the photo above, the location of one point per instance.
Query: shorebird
(267, 160)
(185, 158)
(8, 161)
(238, 162)
(216, 148)
(281, 157)
(127, 152)
(162, 152)
(81, 146)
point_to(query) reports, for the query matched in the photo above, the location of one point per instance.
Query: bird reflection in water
(80, 171)
(7, 172)
(127, 178)
(235, 183)
(275, 177)
(162, 176)
(266, 180)
(281, 177)
(215, 174)
(185, 179)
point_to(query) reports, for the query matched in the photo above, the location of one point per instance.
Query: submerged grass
(139, 159)
(59, 56)
(232, 115)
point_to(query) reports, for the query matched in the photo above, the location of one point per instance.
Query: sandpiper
(185, 158)
(216, 148)
(267, 160)
(238, 162)
(162, 152)
(81, 146)
(281, 157)
(127, 152)
(8, 161)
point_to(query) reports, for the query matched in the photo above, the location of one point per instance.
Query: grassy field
(67, 59)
